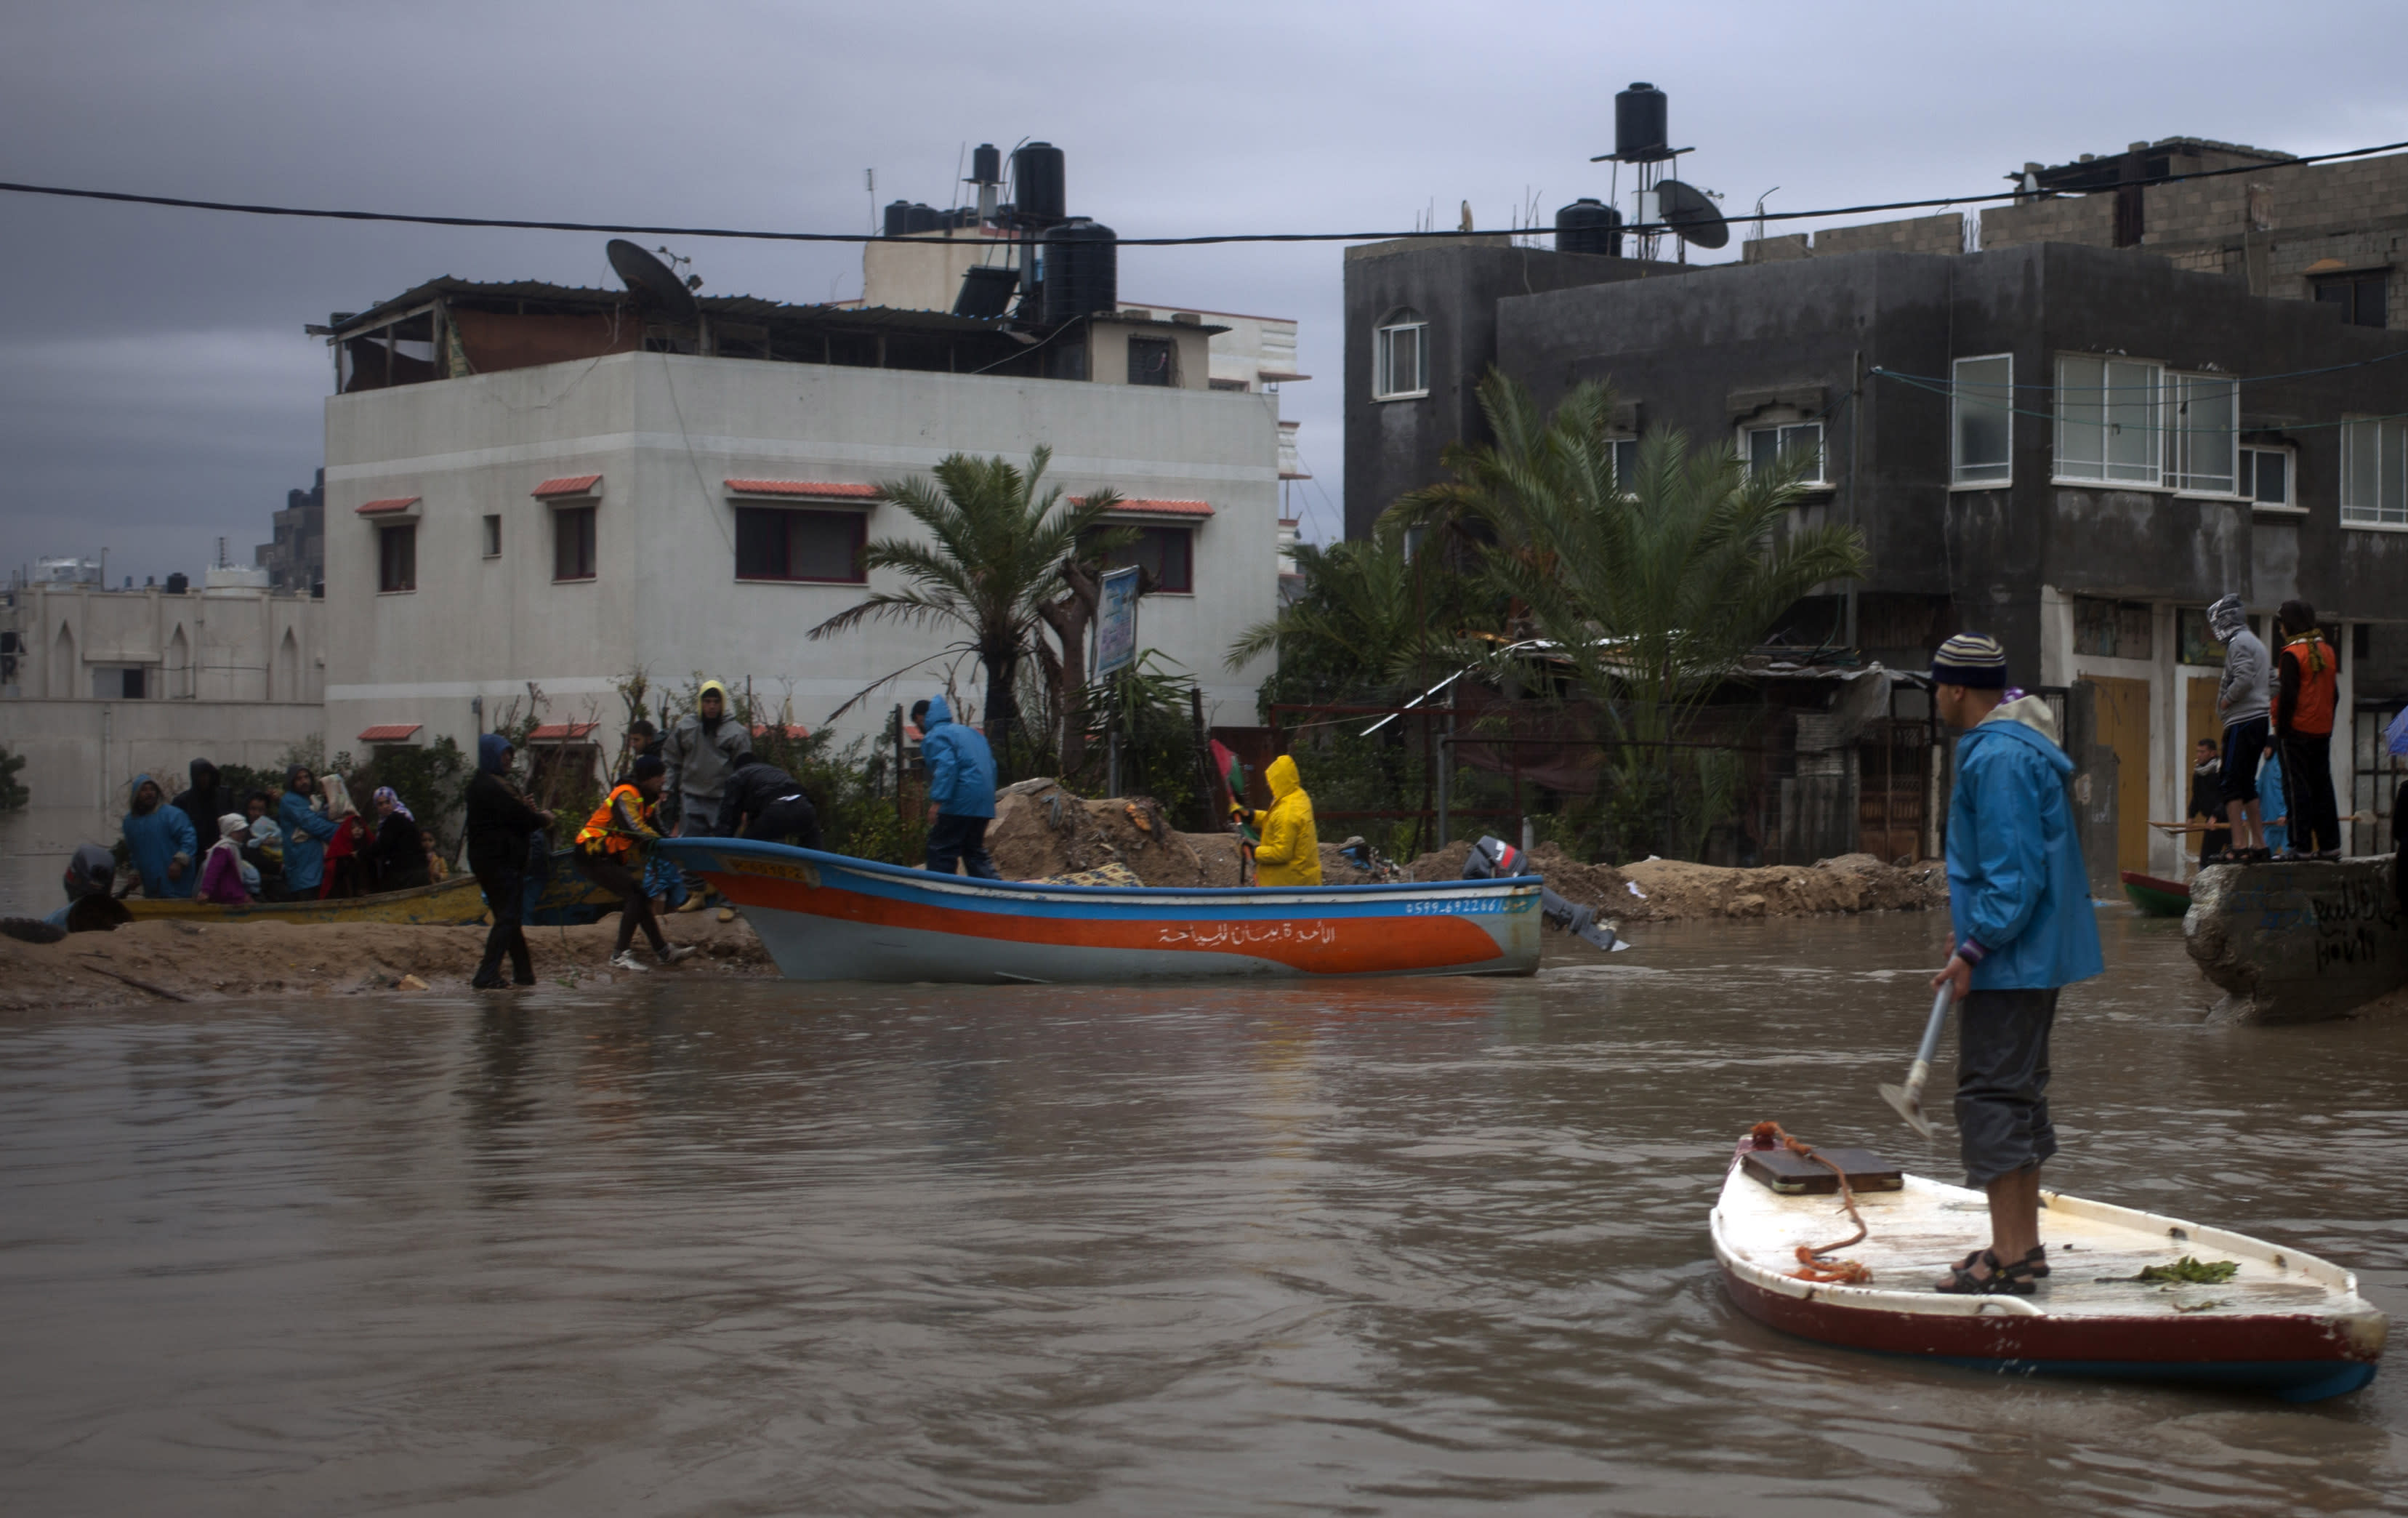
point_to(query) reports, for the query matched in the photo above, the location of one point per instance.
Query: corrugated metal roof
(561, 732)
(802, 487)
(734, 307)
(391, 502)
(567, 485)
(389, 732)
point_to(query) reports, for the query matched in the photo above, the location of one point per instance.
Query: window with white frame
(2373, 472)
(2203, 433)
(2107, 420)
(1981, 407)
(1400, 357)
(2265, 480)
(1765, 445)
(1626, 463)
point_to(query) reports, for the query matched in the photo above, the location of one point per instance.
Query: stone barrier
(2299, 942)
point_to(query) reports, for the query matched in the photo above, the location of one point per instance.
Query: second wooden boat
(2283, 1322)
(827, 917)
(2153, 896)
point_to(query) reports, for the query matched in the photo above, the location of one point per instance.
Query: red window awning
(561, 732)
(386, 507)
(569, 485)
(389, 732)
(822, 489)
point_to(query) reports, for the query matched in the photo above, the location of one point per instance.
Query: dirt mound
(178, 961)
(1040, 829)
(1850, 883)
(1675, 889)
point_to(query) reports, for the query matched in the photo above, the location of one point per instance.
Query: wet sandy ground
(688, 1246)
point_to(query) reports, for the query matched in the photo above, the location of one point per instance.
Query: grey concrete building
(2074, 448)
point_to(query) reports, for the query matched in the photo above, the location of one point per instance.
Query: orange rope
(1812, 1265)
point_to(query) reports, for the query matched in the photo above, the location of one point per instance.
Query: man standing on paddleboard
(2020, 901)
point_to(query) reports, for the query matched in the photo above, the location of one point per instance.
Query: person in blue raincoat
(2270, 796)
(306, 832)
(162, 843)
(2020, 899)
(961, 792)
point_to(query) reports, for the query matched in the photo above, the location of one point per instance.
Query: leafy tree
(996, 558)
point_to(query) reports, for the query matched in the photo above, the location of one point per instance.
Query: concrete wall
(1942, 234)
(665, 432)
(81, 756)
(1392, 446)
(211, 645)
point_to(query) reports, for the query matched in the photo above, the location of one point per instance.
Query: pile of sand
(162, 961)
(1673, 889)
(1040, 829)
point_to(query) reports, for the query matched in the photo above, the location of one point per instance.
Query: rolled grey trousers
(2002, 1122)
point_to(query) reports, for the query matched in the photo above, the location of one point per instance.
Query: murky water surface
(1414, 1247)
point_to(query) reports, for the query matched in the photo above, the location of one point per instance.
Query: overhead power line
(647, 230)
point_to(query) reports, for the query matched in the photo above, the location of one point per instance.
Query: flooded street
(1401, 1247)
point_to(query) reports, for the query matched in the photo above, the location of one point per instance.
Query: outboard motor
(1493, 858)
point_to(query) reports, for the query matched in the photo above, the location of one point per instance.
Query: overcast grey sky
(156, 390)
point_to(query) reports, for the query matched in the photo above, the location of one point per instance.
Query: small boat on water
(2283, 1321)
(827, 917)
(568, 898)
(2153, 896)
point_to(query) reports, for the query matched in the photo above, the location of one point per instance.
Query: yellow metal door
(2202, 719)
(2122, 707)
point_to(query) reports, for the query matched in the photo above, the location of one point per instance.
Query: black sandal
(2038, 1261)
(2002, 1279)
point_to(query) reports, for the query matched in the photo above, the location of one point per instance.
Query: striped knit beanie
(1974, 660)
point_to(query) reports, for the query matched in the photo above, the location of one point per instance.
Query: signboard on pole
(1116, 622)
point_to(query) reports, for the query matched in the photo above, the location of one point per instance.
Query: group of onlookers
(2279, 709)
(310, 843)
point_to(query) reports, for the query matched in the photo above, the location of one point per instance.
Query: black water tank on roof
(1081, 270)
(926, 219)
(986, 164)
(898, 218)
(1589, 227)
(1037, 184)
(179, 583)
(1639, 124)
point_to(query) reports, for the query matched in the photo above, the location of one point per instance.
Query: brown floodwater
(691, 1246)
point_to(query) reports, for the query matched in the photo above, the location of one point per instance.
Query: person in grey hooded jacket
(2241, 704)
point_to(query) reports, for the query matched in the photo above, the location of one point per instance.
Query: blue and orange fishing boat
(827, 917)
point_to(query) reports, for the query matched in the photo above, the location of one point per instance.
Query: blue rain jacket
(2015, 881)
(305, 842)
(961, 767)
(154, 839)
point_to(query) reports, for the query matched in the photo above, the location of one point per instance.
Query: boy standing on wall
(2306, 693)
(2020, 901)
(2241, 704)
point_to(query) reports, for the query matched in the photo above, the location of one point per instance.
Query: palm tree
(995, 560)
(1648, 590)
(1370, 618)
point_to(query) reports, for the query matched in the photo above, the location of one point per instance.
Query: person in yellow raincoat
(1290, 853)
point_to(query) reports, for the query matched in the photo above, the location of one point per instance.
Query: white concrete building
(98, 685)
(494, 521)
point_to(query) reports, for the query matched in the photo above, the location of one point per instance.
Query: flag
(1231, 772)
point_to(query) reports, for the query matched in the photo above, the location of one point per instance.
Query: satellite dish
(656, 284)
(1690, 215)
